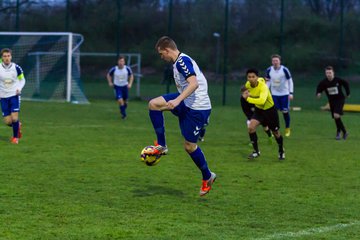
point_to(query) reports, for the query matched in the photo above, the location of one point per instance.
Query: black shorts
(336, 106)
(268, 117)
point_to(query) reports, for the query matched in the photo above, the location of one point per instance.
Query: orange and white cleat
(14, 140)
(207, 184)
(159, 149)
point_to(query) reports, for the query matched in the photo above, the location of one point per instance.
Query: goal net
(51, 64)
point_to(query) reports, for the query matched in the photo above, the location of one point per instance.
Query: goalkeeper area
(51, 64)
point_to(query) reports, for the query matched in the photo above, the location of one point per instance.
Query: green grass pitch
(76, 174)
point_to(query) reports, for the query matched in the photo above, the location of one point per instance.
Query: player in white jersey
(282, 88)
(191, 105)
(12, 81)
(121, 78)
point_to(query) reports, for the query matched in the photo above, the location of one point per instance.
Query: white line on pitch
(310, 231)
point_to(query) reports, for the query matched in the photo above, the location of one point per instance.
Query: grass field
(76, 174)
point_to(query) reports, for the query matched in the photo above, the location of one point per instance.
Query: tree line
(314, 32)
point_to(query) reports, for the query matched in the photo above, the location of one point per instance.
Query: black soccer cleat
(254, 154)
(282, 155)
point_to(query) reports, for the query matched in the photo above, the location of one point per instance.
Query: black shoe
(338, 137)
(254, 154)
(282, 155)
(345, 135)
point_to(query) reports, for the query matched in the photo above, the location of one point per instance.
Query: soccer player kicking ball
(265, 113)
(191, 105)
(333, 88)
(121, 78)
(12, 81)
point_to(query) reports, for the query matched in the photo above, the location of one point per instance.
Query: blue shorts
(190, 121)
(10, 105)
(121, 92)
(282, 103)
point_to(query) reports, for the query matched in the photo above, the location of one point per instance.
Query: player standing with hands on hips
(12, 81)
(333, 88)
(191, 105)
(282, 88)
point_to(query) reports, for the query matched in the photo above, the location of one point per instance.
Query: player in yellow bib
(265, 113)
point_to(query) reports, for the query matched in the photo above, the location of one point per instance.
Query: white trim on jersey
(185, 67)
(121, 76)
(280, 81)
(10, 81)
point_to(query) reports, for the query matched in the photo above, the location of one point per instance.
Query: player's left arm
(21, 78)
(185, 67)
(346, 86)
(290, 82)
(131, 77)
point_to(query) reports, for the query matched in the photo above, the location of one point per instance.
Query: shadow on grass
(6, 138)
(151, 190)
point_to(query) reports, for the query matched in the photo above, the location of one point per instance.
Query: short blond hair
(165, 42)
(276, 56)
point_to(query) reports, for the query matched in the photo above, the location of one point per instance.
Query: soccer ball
(149, 160)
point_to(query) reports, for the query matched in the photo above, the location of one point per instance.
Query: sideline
(310, 231)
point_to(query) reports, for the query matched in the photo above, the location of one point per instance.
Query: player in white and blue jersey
(191, 105)
(282, 88)
(12, 81)
(121, 78)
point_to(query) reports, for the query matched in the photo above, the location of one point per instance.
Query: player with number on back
(191, 105)
(121, 78)
(12, 81)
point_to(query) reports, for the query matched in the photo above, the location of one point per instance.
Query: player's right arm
(186, 68)
(268, 77)
(319, 89)
(264, 93)
(109, 76)
(193, 85)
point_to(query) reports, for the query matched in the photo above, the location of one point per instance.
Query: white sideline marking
(310, 231)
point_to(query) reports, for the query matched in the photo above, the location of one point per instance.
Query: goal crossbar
(70, 51)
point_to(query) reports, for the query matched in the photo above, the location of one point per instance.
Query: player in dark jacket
(333, 88)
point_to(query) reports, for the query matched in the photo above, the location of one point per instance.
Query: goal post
(51, 63)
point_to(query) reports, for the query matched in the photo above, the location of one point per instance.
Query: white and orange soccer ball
(148, 158)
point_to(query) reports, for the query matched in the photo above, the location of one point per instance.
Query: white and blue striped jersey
(11, 79)
(120, 76)
(185, 67)
(280, 81)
